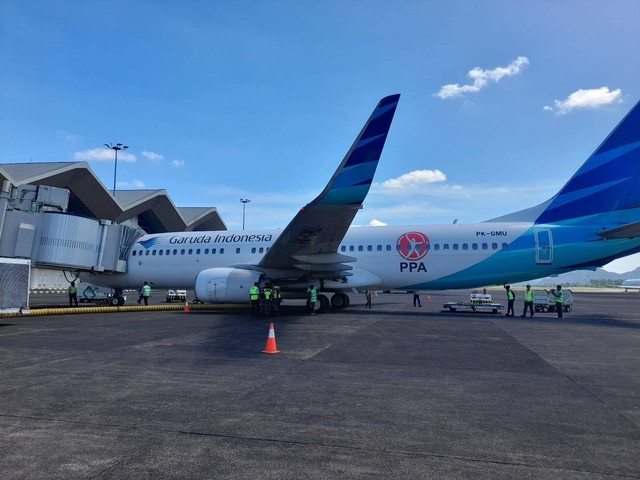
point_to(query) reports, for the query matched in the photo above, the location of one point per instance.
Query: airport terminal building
(59, 217)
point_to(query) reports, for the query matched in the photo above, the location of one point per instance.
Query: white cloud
(481, 78)
(132, 184)
(103, 155)
(415, 179)
(154, 157)
(377, 223)
(592, 98)
(178, 163)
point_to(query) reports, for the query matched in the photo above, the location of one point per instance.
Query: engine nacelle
(222, 285)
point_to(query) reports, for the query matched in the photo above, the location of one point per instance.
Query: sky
(501, 101)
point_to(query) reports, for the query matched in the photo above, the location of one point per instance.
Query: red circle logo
(412, 245)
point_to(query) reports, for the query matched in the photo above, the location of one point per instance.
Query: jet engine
(222, 285)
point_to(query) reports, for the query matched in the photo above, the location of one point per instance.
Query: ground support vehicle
(544, 301)
(176, 295)
(477, 303)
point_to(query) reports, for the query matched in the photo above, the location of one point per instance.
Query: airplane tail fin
(607, 185)
(353, 177)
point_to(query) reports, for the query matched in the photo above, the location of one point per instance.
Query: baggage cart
(477, 303)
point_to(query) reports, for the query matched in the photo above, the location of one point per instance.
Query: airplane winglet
(353, 177)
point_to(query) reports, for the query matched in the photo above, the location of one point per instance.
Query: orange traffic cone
(271, 341)
(428, 299)
(186, 306)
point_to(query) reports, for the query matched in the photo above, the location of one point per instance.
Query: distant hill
(584, 278)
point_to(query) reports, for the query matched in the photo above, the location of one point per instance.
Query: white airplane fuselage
(458, 256)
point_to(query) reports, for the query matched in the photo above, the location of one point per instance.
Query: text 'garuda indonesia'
(233, 238)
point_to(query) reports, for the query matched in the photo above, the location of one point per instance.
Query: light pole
(244, 206)
(116, 148)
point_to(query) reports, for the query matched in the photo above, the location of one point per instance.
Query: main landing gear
(338, 301)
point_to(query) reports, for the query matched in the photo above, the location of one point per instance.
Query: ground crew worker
(254, 296)
(558, 295)
(73, 294)
(313, 297)
(145, 293)
(277, 298)
(267, 294)
(511, 298)
(416, 298)
(368, 295)
(528, 302)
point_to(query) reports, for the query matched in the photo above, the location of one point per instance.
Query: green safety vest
(146, 291)
(559, 297)
(313, 295)
(528, 295)
(72, 289)
(254, 293)
(510, 295)
(267, 293)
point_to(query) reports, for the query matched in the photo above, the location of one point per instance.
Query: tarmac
(394, 392)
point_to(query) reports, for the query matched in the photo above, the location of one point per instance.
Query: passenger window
(261, 250)
(175, 251)
(505, 245)
(455, 246)
(351, 248)
(160, 252)
(153, 253)
(253, 249)
(494, 246)
(379, 248)
(134, 253)
(213, 251)
(388, 248)
(485, 246)
(360, 248)
(182, 251)
(167, 252)
(465, 246)
(369, 248)
(474, 246)
(206, 251)
(147, 253)
(197, 251)
(238, 250)
(221, 251)
(445, 246)
(436, 246)
(190, 251)
(343, 248)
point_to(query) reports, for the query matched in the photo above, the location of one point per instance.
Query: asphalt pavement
(394, 392)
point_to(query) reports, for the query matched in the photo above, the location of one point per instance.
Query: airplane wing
(309, 244)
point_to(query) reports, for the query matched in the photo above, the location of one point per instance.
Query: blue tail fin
(607, 183)
(352, 179)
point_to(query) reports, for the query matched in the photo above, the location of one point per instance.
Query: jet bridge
(35, 226)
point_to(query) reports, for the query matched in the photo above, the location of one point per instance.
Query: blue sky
(501, 101)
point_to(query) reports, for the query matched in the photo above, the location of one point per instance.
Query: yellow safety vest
(528, 295)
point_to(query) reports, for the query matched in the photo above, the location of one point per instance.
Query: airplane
(591, 221)
(630, 284)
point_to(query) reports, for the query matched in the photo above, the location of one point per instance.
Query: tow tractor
(478, 302)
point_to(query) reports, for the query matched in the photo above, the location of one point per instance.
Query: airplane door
(544, 245)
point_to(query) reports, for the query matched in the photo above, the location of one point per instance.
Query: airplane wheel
(113, 301)
(339, 301)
